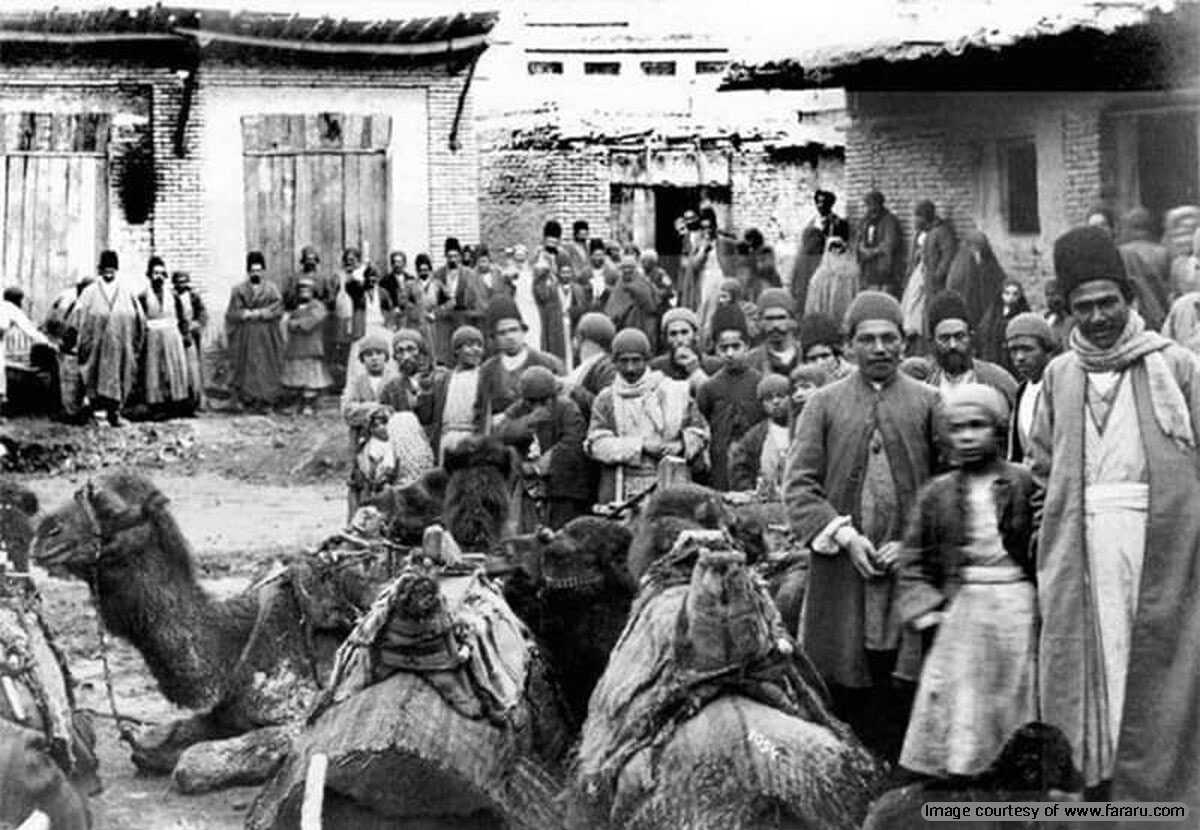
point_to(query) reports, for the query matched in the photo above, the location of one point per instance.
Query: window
(602, 68)
(710, 67)
(658, 67)
(545, 67)
(1020, 182)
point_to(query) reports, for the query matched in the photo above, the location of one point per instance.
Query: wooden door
(54, 184)
(317, 180)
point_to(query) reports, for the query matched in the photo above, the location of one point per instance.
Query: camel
(47, 758)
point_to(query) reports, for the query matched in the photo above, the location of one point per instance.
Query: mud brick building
(199, 135)
(1016, 123)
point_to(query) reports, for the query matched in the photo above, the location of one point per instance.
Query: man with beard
(778, 353)
(640, 420)
(164, 364)
(1114, 445)
(410, 389)
(255, 340)
(864, 445)
(461, 300)
(111, 327)
(880, 247)
(682, 359)
(813, 239)
(953, 353)
(324, 287)
(1030, 346)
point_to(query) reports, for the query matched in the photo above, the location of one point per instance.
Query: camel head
(93, 530)
(18, 507)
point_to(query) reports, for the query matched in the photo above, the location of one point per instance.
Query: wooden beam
(393, 49)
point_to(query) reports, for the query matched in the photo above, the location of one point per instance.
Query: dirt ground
(243, 488)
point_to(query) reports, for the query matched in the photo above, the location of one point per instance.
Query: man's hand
(862, 555)
(888, 556)
(687, 359)
(654, 446)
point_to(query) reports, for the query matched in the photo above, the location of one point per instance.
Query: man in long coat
(111, 326)
(880, 247)
(864, 445)
(165, 361)
(255, 339)
(1114, 445)
(816, 233)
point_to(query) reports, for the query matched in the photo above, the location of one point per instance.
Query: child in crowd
(375, 464)
(304, 370)
(362, 393)
(729, 399)
(756, 459)
(966, 582)
(806, 379)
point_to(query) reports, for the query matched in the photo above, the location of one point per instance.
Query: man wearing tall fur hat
(461, 300)
(1114, 445)
(255, 339)
(111, 328)
(864, 445)
(954, 354)
(500, 373)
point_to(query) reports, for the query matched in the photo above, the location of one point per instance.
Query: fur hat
(631, 341)
(776, 298)
(871, 305)
(502, 307)
(773, 384)
(728, 318)
(1085, 254)
(681, 314)
(552, 229)
(948, 305)
(108, 259)
(1029, 324)
(253, 258)
(978, 395)
(373, 341)
(463, 335)
(819, 329)
(452, 244)
(597, 328)
(537, 382)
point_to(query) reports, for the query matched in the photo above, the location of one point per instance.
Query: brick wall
(1081, 156)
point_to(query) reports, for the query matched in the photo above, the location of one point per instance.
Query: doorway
(646, 216)
(1168, 161)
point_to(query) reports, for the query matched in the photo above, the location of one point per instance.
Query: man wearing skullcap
(499, 374)
(640, 420)
(547, 430)
(111, 327)
(1114, 443)
(778, 353)
(255, 339)
(411, 387)
(880, 247)
(593, 341)
(682, 358)
(1030, 346)
(966, 575)
(953, 351)
(822, 343)
(729, 400)
(460, 299)
(456, 409)
(757, 457)
(813, 241)
(864, 445)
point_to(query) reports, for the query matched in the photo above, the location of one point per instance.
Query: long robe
(1158, 748)
(729, 402)
(110, 335)
(827, 469)
(255, 344)
(166, 366)
(976, 276)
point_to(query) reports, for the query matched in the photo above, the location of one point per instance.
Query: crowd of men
(987, 550)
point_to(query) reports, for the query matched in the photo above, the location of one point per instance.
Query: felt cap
(1085, 254)
(374, 341)
(813, 373)
(410, 336)
(452, 244)
(978, 395)
(631, 341)
(728, 318)
(775, 298)
(502, 307)
(872, 305)
(681, 314)
(597, 328)
(253, 258)
(552, 229)
(537, 382)
(463, 335)
(819, 329)
(948, 305)
(1029, 324)
(772, 385)
(108, 259)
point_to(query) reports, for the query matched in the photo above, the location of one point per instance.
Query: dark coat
(989, 374)
(560, 438)
(932, 557)
(880, 251)
(498, 387)
(763, 361)
(599, 376)
(936, 252)
(810, 252)
(827, 468)
(745, 458)
(729, 401)
(430, 409)
(1016, 451)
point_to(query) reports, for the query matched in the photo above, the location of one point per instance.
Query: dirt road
(234, 504)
